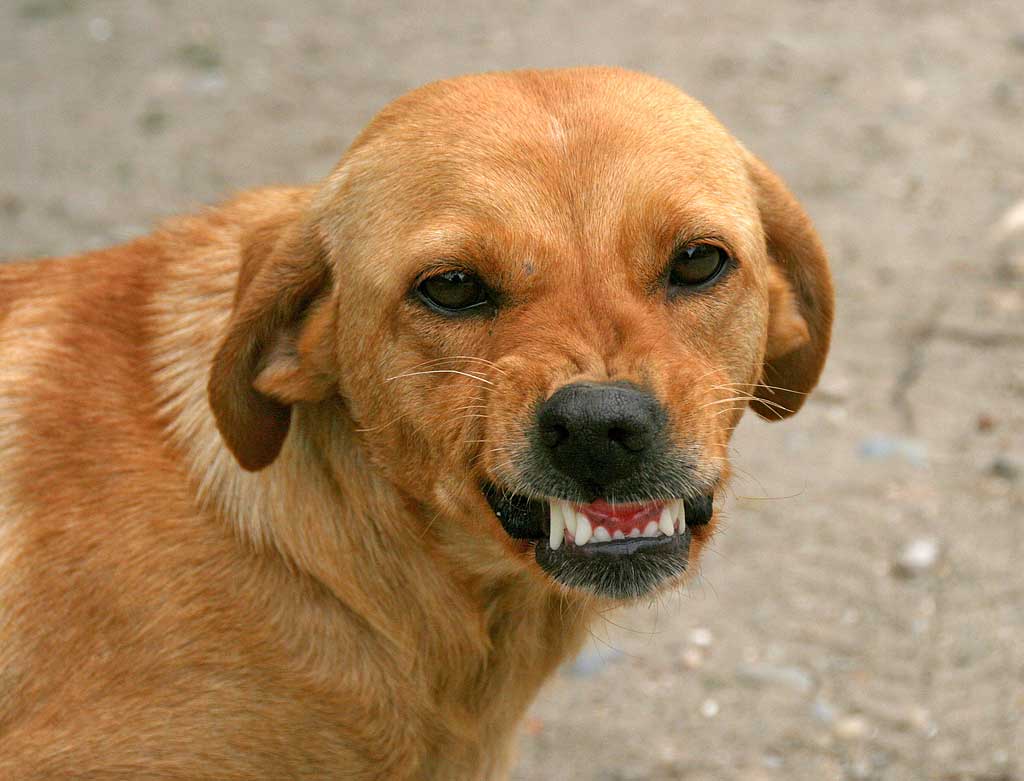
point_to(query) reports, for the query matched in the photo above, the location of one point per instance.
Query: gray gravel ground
(862, 614)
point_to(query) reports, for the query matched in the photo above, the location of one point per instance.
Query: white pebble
(692, 658)
(701, 637)
(709, 709)
(917, 557)
(852, 728)
(100, 29)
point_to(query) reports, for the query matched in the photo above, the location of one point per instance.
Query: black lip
(626, 547)
(699, 510)
(521, 517)
(618, 569)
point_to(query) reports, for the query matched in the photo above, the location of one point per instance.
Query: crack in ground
(914, 362)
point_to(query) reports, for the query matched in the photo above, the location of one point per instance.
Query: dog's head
(545, 299)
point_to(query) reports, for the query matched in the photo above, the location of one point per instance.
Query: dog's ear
(800, 299)
(278, 347)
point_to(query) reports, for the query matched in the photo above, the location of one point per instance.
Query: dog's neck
(468, 650)
(352, 531)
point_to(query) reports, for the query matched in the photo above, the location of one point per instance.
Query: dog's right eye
(454, 291)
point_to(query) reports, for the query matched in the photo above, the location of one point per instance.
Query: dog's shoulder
(116, 586)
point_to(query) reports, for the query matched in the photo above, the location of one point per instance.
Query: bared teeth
(569, 515)
(583, 530)
(666, 524)
(557, 525)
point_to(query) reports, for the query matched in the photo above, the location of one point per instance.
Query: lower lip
(626, 547)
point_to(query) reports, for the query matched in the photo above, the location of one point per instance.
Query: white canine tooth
(570, 517)
(583, 531)
(618, 535)
(651, 530)
(674, 508)
(601, 534)
(680, 514)
(665, 524)
(557, 509)
(634, 532)
(557, 526)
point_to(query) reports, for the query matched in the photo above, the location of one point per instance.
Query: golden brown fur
(350, 608)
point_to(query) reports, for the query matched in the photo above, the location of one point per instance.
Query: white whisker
(440, 371)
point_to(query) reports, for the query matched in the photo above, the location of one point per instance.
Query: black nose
(599, 433)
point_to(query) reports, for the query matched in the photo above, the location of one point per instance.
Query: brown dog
(325, 482)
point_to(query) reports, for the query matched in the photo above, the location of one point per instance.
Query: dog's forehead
(594, 125)
(563, 152)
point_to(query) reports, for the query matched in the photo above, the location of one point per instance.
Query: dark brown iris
(696, 265)
(455, 291)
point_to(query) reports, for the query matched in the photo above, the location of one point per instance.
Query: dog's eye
(455, 291)
(696, 265)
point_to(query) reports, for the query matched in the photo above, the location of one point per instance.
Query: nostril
(631, 439)
(554, 435)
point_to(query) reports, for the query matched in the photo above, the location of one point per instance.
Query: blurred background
(862, 613)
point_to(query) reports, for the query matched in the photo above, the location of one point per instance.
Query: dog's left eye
(454, 291)
(696, 265)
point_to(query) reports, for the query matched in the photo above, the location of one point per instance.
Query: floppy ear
(800, 299)
(278, 347)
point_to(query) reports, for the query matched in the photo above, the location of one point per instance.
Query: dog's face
(546, 300)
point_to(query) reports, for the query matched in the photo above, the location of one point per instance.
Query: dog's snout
(599, 433)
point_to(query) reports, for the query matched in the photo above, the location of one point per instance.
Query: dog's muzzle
(613, 505)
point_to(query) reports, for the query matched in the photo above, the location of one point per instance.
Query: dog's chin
(620, 552)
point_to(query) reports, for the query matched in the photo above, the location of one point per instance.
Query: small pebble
(824, 711)
(917, 557)
(1005, 302)
(921, 720)
(883, 448)
(701, 637)
(1005, 468)
(1011, 221)
(100, 29)
(852, 728)
(692, 658)
(709, 709)
(1008, 237)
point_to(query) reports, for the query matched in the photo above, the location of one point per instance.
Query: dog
(324, 482)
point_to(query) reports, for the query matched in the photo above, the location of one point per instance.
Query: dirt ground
(862, 613)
